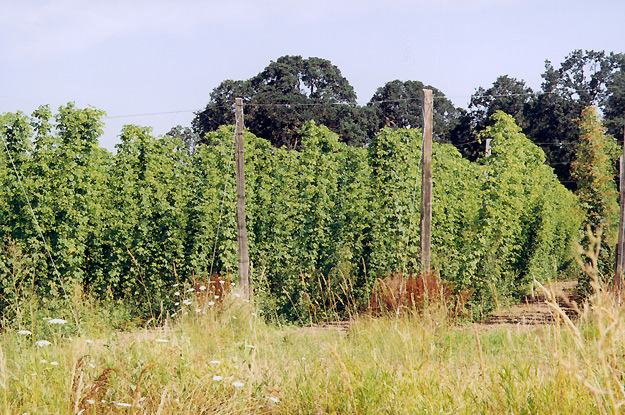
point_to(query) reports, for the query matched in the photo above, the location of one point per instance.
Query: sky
(164, 57)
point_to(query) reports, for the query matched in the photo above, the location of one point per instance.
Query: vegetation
(221, 356)
(325, 222)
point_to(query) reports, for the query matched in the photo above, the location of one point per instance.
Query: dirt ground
(532, 311)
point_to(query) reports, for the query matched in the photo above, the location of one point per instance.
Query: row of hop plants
(324, 222)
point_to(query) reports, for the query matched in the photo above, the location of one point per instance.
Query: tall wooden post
(244, 257)
(618, 274)
(426, 183)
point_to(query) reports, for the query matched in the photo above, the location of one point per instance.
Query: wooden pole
(618, 274)
(244, 257)
(426, 183)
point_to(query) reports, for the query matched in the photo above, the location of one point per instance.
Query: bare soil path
(533, 310)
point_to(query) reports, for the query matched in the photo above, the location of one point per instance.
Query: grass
(223, 357)
(230, 361)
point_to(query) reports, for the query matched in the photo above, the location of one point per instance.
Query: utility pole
(244, 256)
(426, 183)
(618, 274)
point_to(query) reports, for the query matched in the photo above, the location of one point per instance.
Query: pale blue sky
(156, 56)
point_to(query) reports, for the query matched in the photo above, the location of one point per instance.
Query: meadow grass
(230, 360)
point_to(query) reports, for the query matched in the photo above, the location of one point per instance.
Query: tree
(614, 109)
(581, 81)
(281, 98)
(399, 104)
(506, 94)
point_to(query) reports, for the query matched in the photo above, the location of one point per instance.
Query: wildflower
(202, 287)
(88, 341)
(175, 285)
(198, 310)
(272, 399)
(237, 384)
(215, 362)
(54, 363)
(190, 290)
(43, 361)
(33, 374)
(127, 405)
(24, 332)
(217, 378)
(254, 314)
(90, 401)
(57, 321)
(41, 343)
(237, 295)
(186, 302)
(222, 281)
(250, 346)
(176, 303)
(161, 340)
(216, 297)
(234, 317)
(173, 315)
(246, 301)
(177, 293)
(211, 303)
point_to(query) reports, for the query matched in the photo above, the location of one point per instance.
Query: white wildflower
(177, 293)
(217, 378)
(126, 405)
(211, 303)
(202, 287)
(175, 285)
(216, 297)
(198, 310)
(237, 295)
(249, 346)
(41, 343)
(186, 302)
(190, 290)
(272, 399)
(24, 332)
(88, 341)
(57, 321)
(237, 384)
(215, 362)
(222, 281)
(161, 340)
(54, 363)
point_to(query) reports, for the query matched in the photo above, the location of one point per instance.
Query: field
(224, 358)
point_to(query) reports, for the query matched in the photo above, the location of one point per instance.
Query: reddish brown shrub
(211, 289)
(395, 293)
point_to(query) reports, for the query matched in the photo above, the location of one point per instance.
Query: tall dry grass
(225, 358)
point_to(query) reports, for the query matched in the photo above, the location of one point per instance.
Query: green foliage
(299, 90)
(324, 222)
(527, 220)
(593, 169)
